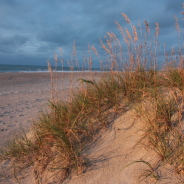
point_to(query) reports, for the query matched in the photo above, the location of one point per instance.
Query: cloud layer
(32, 31)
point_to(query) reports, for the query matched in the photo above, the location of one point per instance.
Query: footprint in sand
(11, 125)
(3, 129)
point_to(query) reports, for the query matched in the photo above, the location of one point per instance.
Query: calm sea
(27, 68)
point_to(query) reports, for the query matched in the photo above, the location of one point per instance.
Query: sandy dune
(117, 148)
(21, 98)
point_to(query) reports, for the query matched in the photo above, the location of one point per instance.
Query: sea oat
(147, 26)
(122, 32)
(74, 48)
(94, 49)
(140, 29)
(119, 27)
(126, 18)
(55, 58)
(104, 47)
(109, 43)
(177, 25)
(157, 29)
(128, 34)
(62, 60)
(135, 33)
(172, 53)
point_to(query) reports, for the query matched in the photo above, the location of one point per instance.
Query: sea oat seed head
(126, 18)
(177, 24)
(128, 34)
(147, 26)
(135, 33)
(157, 29)
(94, 49)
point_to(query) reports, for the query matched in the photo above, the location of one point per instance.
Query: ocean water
(29, 68)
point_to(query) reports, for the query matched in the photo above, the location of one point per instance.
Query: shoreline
(24, 95)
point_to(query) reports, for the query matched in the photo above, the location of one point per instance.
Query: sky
(32, 31)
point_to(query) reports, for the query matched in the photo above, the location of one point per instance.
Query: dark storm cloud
(8, 45)
(174, 7)
(35, 29)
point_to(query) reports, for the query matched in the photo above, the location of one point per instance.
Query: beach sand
(24, 95)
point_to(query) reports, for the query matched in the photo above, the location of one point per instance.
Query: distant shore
(24, 95)
(34, 68)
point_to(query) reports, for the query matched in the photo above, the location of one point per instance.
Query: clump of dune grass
(60, 135)
(157, 117)
(162, 117)
(175, 77)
